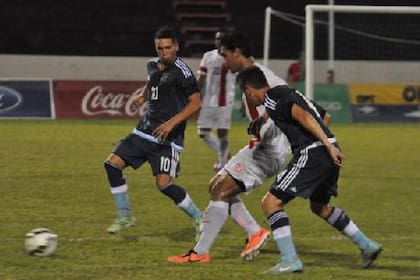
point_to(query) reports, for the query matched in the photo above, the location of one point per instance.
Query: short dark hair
(236, 40)
(251, 76)
(222, 32)
(165, 32)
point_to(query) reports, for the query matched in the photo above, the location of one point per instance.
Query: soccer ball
(41, 242)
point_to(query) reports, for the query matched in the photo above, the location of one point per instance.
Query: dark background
(126, 27)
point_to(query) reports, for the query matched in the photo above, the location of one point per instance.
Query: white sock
(224, 150)
(212, 142)
(214, 219)
(242, 217)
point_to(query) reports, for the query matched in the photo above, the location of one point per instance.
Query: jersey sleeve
(320, 109)
(151, 67)
(202, 68)
(279, 108)
(284, 109)
(189, 85)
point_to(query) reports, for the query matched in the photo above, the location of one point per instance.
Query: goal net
(357, 44)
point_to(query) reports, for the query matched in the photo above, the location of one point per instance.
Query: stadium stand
(199, 20)
(95, 27)
(125, 27)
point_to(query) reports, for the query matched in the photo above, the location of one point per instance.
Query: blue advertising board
(25, 99)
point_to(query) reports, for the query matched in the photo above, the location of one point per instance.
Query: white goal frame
(309, 30)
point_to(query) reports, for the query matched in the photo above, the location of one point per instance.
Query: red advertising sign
(95, 99)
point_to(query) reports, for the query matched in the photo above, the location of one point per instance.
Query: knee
(115, 161)
(217, 190)
(115, 175)
(162, 181)
(221, 190)
(320, 209)
(214, 181)
(271, 204)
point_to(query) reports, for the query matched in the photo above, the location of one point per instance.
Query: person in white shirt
(217, 86)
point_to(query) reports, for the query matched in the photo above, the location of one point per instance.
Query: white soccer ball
(41, 242)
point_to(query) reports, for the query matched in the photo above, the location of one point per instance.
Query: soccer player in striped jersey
(311, 174)
(217, 87)
(171, 96)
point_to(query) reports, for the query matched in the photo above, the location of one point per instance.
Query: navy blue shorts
(310, 174)
(135, 151)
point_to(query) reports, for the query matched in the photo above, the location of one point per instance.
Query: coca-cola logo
(96, 102)
(9, 99)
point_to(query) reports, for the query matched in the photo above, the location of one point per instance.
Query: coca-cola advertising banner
(95, 99)
(25, 99)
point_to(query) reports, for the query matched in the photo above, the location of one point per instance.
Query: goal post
(310, 30)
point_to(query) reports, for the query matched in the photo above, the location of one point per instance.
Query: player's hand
(162, 131)
(137, 101)
(254, 127)
(336, 155)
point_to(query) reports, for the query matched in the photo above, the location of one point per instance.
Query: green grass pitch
(51, 174)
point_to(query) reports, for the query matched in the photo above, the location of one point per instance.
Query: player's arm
(326, 117)
(254, 126)
(193, 105)
(307, 121)
(139, 99)
(201, 81)
(202, 73)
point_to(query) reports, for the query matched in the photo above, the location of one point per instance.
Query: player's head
(166, 44)
(235, 47)
(253, 83)
(218, 36)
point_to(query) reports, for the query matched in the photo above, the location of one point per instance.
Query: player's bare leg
(212, 142)
(222, 134)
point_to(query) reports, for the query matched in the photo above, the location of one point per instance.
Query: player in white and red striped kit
(217, 86)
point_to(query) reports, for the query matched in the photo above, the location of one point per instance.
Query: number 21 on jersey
(154, 93)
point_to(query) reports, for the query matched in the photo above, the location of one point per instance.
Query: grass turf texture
(52, 175)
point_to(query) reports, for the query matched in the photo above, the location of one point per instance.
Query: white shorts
(215, 117)
(253, 166)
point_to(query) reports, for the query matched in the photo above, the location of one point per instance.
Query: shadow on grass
(315, 258)
(400, 266)
(186, 234)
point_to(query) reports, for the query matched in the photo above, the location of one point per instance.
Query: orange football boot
(191, 256)
(255, 243)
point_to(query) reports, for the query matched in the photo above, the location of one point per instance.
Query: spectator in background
(296, 71)
(330, 77)
(217, 86)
